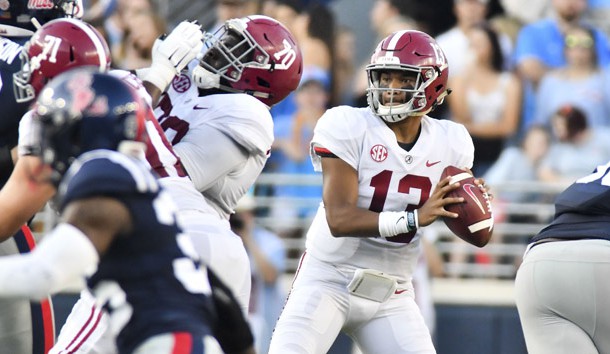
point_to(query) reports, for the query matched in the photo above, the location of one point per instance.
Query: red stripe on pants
(183, 343)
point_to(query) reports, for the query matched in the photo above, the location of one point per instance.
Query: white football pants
(319, 307)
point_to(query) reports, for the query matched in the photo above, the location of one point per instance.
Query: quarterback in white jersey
(219, 123)
(381, 168)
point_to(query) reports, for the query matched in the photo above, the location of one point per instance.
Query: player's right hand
(435, 205)
(181, 46)
(172, 53)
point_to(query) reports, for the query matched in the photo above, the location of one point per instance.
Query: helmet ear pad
(256, 55)
(417, 53)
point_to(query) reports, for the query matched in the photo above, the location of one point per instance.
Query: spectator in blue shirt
(540, 47)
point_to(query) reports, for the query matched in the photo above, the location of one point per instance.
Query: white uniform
(223, 141)
(390, 179)
(85, 328)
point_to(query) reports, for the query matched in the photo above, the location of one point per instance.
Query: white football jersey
(188, 120)
(390, 179)
(159, 151)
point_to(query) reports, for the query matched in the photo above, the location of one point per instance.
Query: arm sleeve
(27, 135)
(50, 267)
(206, 162)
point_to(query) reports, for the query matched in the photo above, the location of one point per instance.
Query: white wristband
(159, 75)
(393, 223)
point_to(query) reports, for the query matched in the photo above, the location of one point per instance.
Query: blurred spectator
(345, 47)
(386, 16)
(580, 82)
(117, 26)
(519, 164)
(285, 11)
(578, 148)
(98, 10)
(268, 262)
(527, 11)
(228, 9)
(540, 47)
(314, 30)
(455, 41)
(486, 98)
(143, 28)
(598, 13)
(290, 150)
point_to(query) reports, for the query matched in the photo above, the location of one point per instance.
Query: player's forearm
(64, 257)
(21, 198)
(352, 221)
(25, 276)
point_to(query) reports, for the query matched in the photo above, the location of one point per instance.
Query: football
(475, 222)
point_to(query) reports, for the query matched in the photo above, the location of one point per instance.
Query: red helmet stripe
(394, 41)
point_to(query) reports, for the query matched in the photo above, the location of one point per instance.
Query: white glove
(173, 53)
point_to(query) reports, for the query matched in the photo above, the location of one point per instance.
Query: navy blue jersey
(145, 280)
(12, 111)
(583, 209)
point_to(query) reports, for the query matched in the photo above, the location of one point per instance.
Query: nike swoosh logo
(399, 291)
(400, 219)
(468, 188)
(198, 108)
(430, 164)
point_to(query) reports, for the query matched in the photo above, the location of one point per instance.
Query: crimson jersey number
(381, 184)
(169, 122)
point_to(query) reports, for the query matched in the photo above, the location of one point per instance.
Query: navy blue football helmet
(16, 15)
(83, 110)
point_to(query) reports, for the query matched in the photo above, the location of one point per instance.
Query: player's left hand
(480, 182)
(181, 46)
(172, 53)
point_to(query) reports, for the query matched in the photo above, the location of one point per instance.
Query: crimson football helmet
(413, 52)
(256, 55)
(83, 110)
(59, 45)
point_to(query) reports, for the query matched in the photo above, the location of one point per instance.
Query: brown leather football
(475, 222)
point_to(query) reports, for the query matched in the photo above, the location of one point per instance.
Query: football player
(561, 289)
(381, 166)
(25, 327)
(86, 323)
(118, 222)
(219, 124)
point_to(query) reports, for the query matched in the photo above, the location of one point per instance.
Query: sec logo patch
(181, 83)
(379, 153)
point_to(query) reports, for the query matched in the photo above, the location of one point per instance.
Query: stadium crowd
(530, 84)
